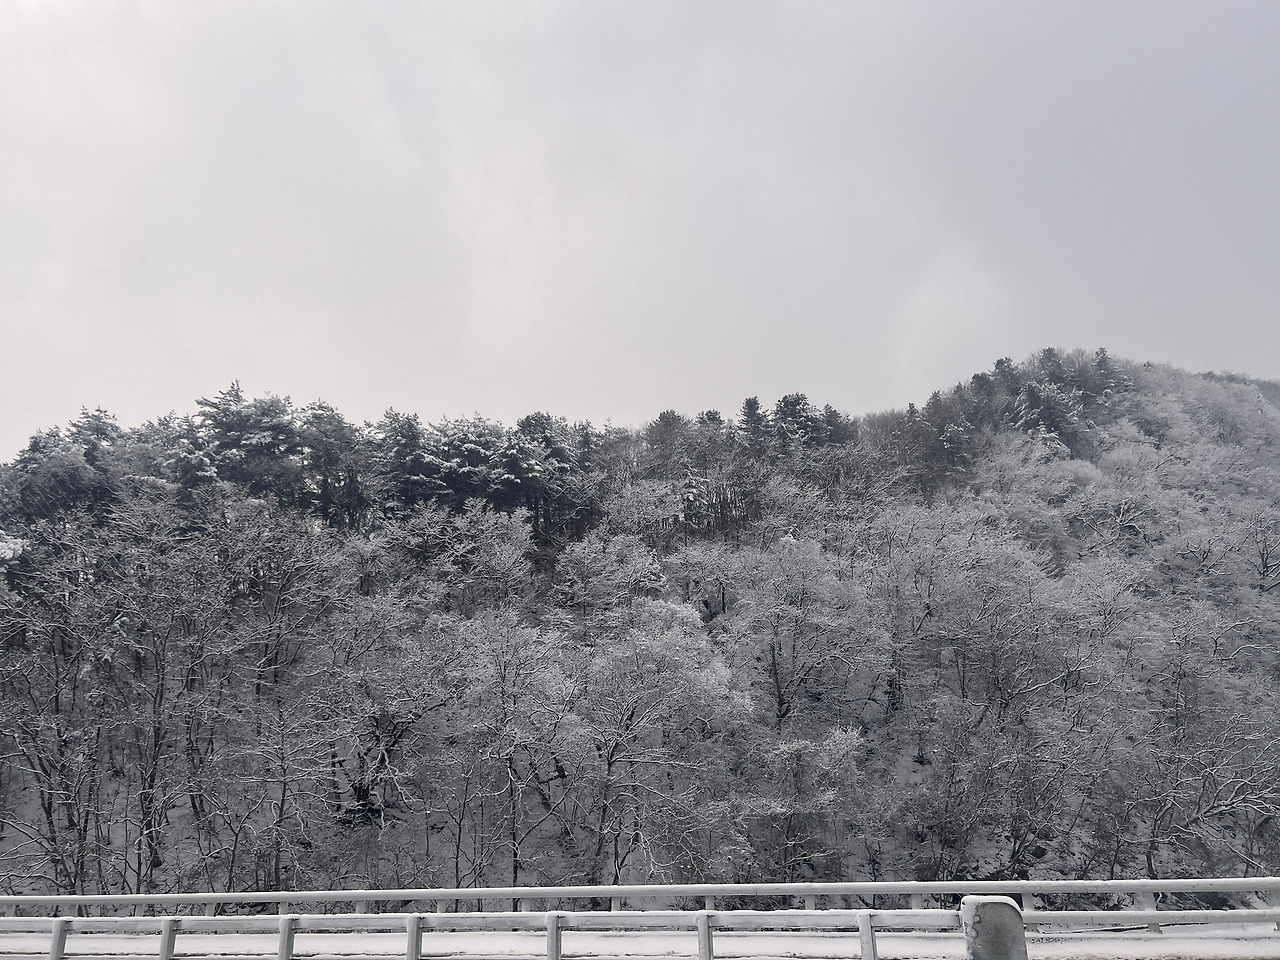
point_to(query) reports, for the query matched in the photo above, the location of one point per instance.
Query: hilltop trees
(1026, 628)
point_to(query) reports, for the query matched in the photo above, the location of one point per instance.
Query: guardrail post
(1028, 908)
(553, 936)
(360, 906)
(867, 936)
(1259, 902)
(615, 903)
(58, 942)
(917, 901)
(168, 934)
(993, 929)
(706, 947)
(708, 903)
(413, 937)
(442, 906)
(1148, 901)
(211, 908)
(810, 902)
(285, 950)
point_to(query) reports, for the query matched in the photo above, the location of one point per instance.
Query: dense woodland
(1028, 629)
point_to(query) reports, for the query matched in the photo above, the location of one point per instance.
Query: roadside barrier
(158, 936)
(994, 924)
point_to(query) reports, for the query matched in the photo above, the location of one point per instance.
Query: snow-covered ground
(1247, 942)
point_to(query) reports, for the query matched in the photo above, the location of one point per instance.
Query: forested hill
(1027, 629)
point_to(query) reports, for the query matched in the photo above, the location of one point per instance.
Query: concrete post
(412, 937)
(553, 936)
(706, 947)
(993, 929)
(58, 942)
(284, 951)
(168, 935)
(867, 936)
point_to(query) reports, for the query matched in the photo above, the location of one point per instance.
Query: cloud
(608, 210)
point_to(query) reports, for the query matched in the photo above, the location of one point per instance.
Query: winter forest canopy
(1028, 629)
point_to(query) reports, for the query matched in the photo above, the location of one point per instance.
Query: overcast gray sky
(605, 209)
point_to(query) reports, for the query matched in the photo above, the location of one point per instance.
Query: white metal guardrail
(363, 911)
(158, 936)
(810, 894)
